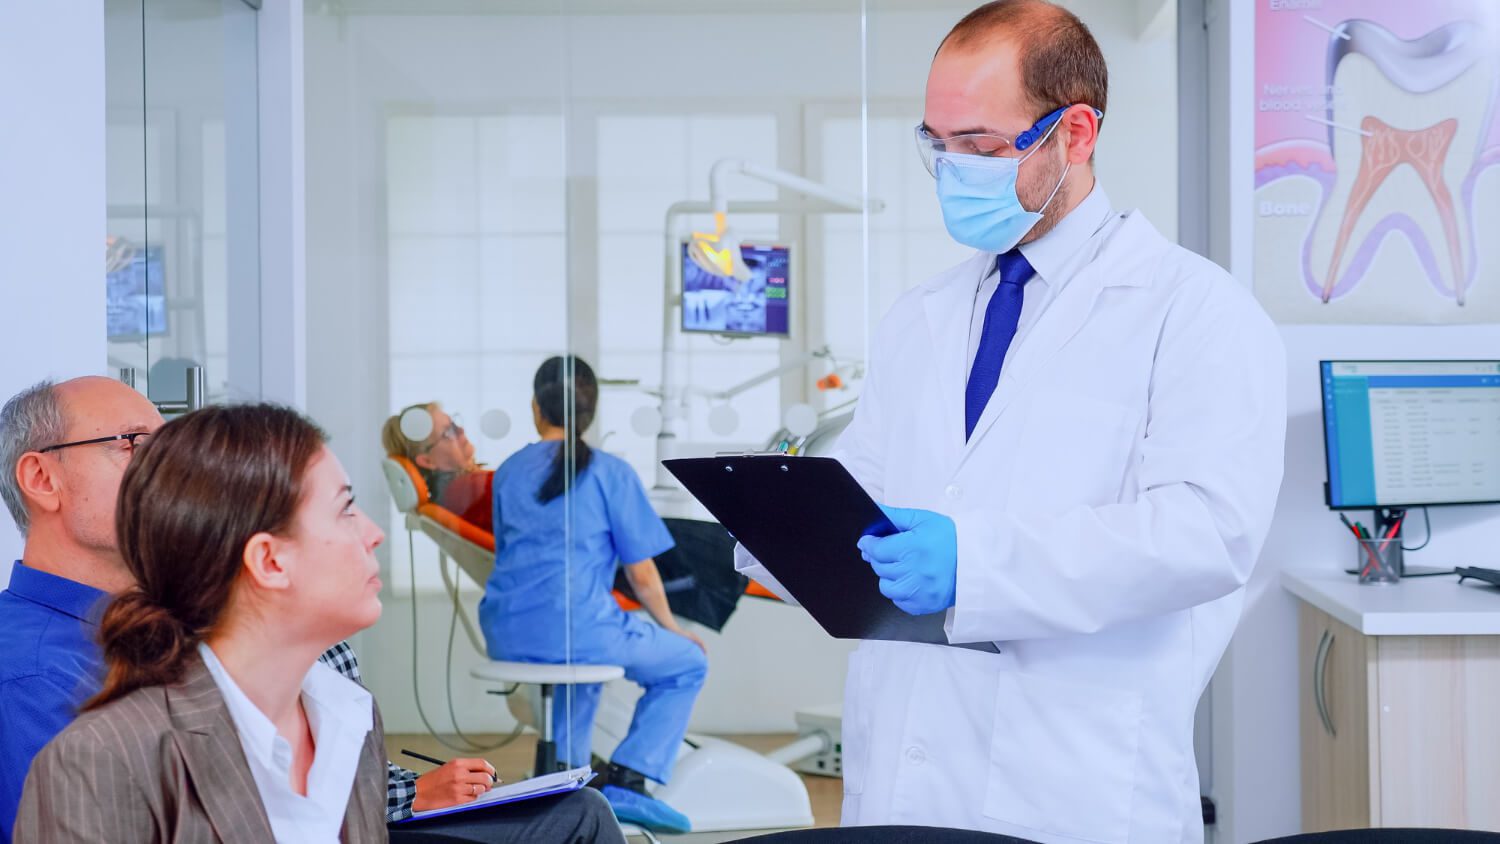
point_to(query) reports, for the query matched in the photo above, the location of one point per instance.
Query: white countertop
(1422, 606)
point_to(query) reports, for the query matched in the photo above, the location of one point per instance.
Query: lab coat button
(953, 491)
(915, 755)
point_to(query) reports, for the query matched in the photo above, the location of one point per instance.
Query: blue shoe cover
(642, 810)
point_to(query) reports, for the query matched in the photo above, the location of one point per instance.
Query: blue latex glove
(918, 567)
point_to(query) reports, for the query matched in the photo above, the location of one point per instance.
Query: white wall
(1256, 748)
(51, 201)
(799, 68)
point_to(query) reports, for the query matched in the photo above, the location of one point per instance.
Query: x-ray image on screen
(135, 304)
(719, 305)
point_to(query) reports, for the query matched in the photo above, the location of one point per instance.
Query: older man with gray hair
(63, 450)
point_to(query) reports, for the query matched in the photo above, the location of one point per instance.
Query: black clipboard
(802, 518)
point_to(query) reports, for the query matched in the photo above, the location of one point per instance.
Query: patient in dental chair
(445, 460)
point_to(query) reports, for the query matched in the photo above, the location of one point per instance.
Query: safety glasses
(986, 145)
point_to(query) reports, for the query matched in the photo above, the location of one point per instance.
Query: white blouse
(339, 712)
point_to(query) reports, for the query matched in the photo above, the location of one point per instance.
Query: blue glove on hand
(918, 567)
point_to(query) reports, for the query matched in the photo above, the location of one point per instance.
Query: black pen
(425, 758)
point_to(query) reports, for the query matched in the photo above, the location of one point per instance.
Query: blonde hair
(397, 443)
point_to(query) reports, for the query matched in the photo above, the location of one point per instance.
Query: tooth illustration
(1383, 148)
(1406, 125)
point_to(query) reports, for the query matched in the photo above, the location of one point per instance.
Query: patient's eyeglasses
(455, 427)
(132, 440)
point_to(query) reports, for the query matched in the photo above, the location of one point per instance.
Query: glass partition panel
(182, 220)
(439, 257)
(183, 214)
(492, 187)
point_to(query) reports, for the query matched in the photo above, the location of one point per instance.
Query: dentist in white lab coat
(1080, 429)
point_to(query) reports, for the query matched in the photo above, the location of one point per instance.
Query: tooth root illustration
(1384, 148)
(1407, 123)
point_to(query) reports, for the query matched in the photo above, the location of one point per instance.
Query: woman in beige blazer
(215, 722)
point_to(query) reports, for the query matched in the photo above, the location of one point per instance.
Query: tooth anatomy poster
(1377, 160)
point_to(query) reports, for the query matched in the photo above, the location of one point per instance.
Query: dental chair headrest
(410, 493)
(407, 487)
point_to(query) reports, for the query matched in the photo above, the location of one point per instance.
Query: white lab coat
(1110, 506)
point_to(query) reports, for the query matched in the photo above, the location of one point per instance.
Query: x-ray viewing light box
(135, 305)
(1401, 434)
(759, 307)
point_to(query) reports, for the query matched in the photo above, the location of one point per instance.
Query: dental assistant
(558, 540)
(1078, 432)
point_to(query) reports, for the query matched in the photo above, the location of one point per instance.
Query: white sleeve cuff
(982, 548)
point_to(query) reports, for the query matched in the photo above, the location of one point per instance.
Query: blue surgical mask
(978, 195)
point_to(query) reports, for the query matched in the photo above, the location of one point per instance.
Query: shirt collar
(69, 597)
(1049, 254)
(334, 696)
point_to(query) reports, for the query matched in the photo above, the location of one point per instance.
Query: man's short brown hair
(1061, 63)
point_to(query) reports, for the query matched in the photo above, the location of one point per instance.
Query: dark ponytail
(190, 500)
(561, 381)
(144, 645)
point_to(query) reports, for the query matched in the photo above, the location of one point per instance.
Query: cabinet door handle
(1320, 676)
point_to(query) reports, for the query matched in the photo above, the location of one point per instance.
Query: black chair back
(1391, 836)
(886, 835)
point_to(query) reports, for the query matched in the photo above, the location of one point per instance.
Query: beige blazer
(164, 764)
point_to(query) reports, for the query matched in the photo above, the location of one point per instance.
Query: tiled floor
(514, 760)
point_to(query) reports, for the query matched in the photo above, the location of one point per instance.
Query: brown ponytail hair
(191, 499)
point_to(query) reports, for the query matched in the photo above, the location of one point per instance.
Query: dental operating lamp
(718, 252)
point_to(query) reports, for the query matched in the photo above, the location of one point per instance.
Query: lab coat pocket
(1076, 452)
(855, 738)
(1063, 757)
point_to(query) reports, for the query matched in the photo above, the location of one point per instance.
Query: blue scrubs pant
(669, 667)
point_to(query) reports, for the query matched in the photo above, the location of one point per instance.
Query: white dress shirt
(1049, 255)
(339, 712)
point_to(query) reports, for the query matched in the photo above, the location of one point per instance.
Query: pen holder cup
(1379, 560)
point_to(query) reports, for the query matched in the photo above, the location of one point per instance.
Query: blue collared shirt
(50, 663)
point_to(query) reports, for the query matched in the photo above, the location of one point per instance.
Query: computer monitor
(135, 301)
(1402, 434)
(759, 307)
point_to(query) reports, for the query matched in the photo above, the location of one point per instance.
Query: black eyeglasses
(133, 439)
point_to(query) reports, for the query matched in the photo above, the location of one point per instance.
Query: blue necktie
(1000, 319)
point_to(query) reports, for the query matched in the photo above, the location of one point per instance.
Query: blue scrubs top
(604, 520)
(50, 664)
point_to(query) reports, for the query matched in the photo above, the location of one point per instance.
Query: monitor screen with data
(1411, 433)
(758, 307)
